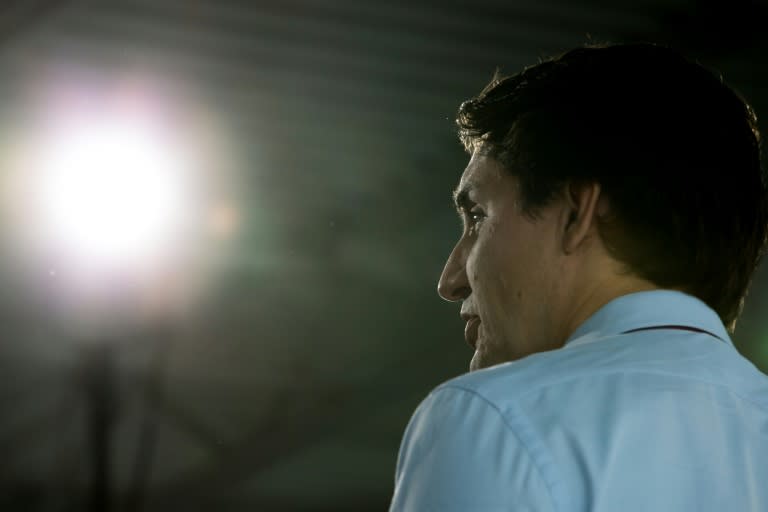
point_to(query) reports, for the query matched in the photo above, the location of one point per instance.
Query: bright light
(117, 194)
(111, 192)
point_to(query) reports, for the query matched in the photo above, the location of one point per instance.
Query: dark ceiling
(315, 328)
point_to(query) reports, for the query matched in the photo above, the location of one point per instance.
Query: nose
(454, 284)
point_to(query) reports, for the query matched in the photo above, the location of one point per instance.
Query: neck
(596, 294)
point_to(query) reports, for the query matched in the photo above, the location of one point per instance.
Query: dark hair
(675, 150)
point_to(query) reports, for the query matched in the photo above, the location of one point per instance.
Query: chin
(480, 361)
(474, 363)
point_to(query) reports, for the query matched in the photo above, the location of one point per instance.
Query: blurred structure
(304, 327)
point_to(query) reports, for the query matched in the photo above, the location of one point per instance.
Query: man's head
(604, 171)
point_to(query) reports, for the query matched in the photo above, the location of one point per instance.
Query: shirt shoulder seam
(523, 443)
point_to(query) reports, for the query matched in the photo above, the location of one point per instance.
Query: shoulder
(525, 376)
(469, 439)
(537, 430)
(461, 452)
(653, 354)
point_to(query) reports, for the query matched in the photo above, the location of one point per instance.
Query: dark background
(316, 329)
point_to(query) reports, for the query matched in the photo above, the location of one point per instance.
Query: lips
(470, 331)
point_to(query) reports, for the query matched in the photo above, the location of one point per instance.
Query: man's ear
(581, 209)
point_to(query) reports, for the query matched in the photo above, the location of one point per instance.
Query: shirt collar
(648, 309)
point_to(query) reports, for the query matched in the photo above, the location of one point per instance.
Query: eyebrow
(461, 198)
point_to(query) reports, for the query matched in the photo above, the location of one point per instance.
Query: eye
(474, 217)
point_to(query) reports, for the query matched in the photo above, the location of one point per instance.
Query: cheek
(505, 277)
(492, 277)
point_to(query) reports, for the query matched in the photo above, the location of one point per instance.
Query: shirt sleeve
(458, 454)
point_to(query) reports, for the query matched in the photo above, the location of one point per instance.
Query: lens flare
(110, 191)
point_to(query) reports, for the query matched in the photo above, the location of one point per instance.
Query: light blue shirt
(655, 420)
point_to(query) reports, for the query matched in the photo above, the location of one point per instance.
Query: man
(614, 211)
